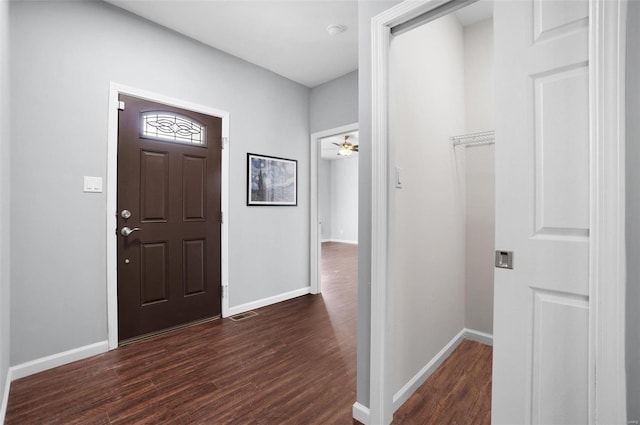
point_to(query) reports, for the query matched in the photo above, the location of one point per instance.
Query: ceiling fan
(346, 147)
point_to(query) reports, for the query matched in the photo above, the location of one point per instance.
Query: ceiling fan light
(344, 151)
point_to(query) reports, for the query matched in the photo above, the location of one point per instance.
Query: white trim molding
(49, 362)
(5, 396)
(342, 241)
(116, 89)
(477, 336)
(268, 301)
(607, 274)
(380, 381)
(361, 413)
(314, 222)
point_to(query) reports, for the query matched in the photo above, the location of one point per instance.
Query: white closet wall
(427, 241)
(480, 177)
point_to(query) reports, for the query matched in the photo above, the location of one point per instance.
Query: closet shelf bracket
(474, 139)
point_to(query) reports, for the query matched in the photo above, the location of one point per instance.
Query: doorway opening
(441, 122)
(338, 207)
(334, 196)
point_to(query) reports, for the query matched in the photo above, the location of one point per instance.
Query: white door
(541, 328)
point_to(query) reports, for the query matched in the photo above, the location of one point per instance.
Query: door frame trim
(607, 250)
(607, 400)
(315, 237)
(115, 89)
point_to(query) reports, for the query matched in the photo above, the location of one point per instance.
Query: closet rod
(474, 139)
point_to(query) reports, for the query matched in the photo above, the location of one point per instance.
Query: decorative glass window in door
(171, 127)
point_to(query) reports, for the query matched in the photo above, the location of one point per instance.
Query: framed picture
(271, 180)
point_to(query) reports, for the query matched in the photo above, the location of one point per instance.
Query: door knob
(127, 231)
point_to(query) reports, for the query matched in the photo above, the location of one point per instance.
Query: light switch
(92, 184)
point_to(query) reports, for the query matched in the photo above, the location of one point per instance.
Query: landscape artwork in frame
(271, 180)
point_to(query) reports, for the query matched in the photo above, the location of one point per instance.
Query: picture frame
(271, 181)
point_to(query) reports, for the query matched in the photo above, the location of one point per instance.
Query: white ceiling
(329, 151)
(288, 37)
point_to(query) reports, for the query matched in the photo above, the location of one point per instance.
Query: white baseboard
(414, 383)
(478, 336)
(361, 413)
(342, 241)
(268, 301)
(59, 359)
(5, 397)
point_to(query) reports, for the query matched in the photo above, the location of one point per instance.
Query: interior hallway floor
(293, 363)
(457, 393)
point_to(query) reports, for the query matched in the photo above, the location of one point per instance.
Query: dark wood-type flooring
(293, 363)
(458, 392)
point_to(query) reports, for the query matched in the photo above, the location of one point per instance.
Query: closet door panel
(541, 323)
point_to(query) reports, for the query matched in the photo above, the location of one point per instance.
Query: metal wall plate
(504, 259)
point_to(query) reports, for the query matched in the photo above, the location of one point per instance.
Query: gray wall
(344, 199)
(338, 202)
(366, 11)
(633, 212)
(334, 103)
(63, 56)
(4, 195)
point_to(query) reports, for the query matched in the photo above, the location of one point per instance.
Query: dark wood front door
(169, 166)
